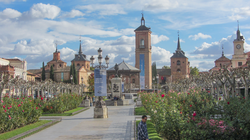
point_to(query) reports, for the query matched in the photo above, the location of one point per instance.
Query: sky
(30, 29)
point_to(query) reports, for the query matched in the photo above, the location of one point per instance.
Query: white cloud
(199, 35)
(9, 1)
(9, 13)
(181, 40)
(104, 9)
(73, 13)
(41, 10)
(156, 39)
(239, 13)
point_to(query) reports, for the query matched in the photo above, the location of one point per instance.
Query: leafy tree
(154, 71)
(52, 73)
(43, 72)
(91, 86)
(166, 67)
(92, 68)
(74, 73)
(194, 71)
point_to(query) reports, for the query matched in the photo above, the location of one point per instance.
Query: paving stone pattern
(119, 126)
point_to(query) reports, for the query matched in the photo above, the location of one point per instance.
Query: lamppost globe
(100, 59)
(100, 52)
(92, 60)
(107, 60)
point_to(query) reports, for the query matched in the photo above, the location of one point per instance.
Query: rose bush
(196, 115)
(17, 112)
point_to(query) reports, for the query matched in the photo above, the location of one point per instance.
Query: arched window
(78, 64)
(178, 70)
(142, 43)
(60, 65)
(53, 65)
(178, 62)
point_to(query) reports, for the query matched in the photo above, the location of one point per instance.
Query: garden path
(118, 126)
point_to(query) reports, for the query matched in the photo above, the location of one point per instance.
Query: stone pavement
(118, 126)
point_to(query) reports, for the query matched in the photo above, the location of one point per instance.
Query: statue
(116, 70)
(100, 103)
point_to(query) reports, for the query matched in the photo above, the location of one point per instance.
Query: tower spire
(56, 47)
(80, 48)
(222, 50)
(238, 31)
(178, 44)
(142, 19)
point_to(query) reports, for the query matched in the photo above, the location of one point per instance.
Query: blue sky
(29, 29)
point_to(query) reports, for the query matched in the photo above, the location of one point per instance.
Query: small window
(178, 62)
(178, 70)
(239, 63)
(60, 65)
(78, 64)
(53, 65)
(133, 81)
(142, 43)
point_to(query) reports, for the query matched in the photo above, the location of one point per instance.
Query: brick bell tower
(143, 54)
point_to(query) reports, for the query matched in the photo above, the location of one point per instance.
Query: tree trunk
(246, 91)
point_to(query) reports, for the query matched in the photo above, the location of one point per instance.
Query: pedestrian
(142, 129)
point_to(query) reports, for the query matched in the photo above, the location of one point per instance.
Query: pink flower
(36, 107)
(190, 105)
(23, 110)
(9, 117)
(227, 102)
(2, 101)
(180, 112)
(3, 106)
(146, 100)
(42, 98)
(8, 107)
(21, 102)
(188, 93)
(5, 110)
(219, 98)
(162, 95)
(194, 114)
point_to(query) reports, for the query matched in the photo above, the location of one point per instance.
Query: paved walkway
(118, 126)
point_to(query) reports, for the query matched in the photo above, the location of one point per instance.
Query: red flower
(21, 102)
(162, 95)
(8, 107)
(208, 91)
(17, 98)
(188, 121)
(203, 100)
(42, 98)
(3, 106)
(219, 98)
(243, 97)
(190, 105)
(5, 110)
(51, 107)
(36, 107)
(227, 102)
(188, 93)
(180, 112)
(9, 117)
(19, 105)
(194, 114)
(23, 110)
(156, 101)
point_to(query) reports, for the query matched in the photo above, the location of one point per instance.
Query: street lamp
(71, 78)
(82, 84)
(100, 66)
(157, 77)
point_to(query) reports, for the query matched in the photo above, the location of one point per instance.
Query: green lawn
(152, 134)
(18, 131)
(140, 111)
(66, 113)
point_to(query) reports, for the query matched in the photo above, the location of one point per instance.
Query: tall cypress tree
(154, 71)
(74, 73)
(43, 72)
(52, 73)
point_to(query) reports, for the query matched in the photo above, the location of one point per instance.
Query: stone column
(116, 87)
(100, 110)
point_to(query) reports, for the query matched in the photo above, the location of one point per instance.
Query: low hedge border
(58, 119)
(72, 114)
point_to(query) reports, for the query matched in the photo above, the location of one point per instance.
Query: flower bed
(195, 115)
(15, 113)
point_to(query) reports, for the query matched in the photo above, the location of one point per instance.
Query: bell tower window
(178, 62)
(142, 43)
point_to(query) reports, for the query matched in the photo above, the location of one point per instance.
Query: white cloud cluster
(9, 13)
(9, 1)
(156, 39)
(199, 35)
(73, 13)
(240, 13)
(41, 10)
(104, 9)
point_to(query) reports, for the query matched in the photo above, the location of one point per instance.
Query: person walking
(142, 129)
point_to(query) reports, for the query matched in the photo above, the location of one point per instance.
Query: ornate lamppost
(100, 110)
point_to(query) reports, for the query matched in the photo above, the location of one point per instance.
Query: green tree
(92, 68)
(74, 73)
(91, 86)
(52, 73)
(43, 72)
(154, 71)
(194, 71)
(166, 67)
